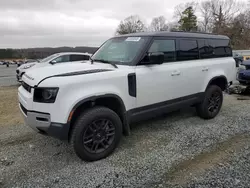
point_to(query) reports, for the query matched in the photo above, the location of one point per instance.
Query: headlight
(45, 95)
(28, 66)
(242, 67)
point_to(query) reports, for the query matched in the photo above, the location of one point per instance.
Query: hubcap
(98, 136)
(214, 102)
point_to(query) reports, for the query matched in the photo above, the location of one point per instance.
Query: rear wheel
(96, 134)
(211, 104)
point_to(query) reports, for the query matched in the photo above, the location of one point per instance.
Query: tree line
(224, 17)
(39, 53)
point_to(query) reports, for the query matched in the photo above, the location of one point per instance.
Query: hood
(37, 74)
(27, 64)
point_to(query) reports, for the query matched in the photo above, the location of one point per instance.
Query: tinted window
(61, 59)
(78, 57)
(205, 50)
(188, 50)
(165, 46)
(229, 52)
(221, 48)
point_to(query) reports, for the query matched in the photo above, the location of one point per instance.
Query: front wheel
(211, 105)
(96, 134)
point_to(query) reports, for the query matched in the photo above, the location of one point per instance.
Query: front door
(157, 84)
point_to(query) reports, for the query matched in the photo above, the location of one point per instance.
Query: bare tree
(159, 24)
(131, 24)
(206, 16)
(223, 12)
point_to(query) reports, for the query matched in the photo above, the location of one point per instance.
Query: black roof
(176, 34)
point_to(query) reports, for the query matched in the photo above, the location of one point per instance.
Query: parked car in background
(1, 63)
(243, 75)
(54, 59)
(238, 59)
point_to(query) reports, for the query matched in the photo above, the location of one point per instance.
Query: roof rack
(194, 32)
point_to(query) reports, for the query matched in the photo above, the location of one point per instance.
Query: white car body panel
(110, 82)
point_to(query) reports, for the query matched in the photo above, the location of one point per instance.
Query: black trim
(216, 77)
(23, 109)
(177, 35)
(126, 127)
(56, 130)
(26, 87)
(76, 73)
(132, 84)
(154, 110)
(26, 111)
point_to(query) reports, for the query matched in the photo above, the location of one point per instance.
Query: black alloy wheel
(99, 136)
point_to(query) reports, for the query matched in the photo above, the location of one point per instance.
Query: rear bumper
(40, 122)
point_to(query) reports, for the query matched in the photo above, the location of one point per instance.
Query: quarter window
(79, 57)
(61, 59)
(221, 48)
(165, 46)
(188, 50)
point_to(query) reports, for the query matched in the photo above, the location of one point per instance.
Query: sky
(53, 23)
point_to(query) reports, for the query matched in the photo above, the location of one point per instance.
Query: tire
(211, 104)
(96, 126)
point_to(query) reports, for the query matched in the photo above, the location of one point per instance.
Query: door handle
(205, 69)
(175, 73)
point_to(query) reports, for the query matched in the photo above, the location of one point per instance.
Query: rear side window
(165, 46)
(78, 57)
(188, 50)
(205, 50)
(221, 48)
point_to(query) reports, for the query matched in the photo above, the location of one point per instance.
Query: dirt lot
(176, 150)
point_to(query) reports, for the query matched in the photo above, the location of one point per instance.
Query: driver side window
(165, 46)
(61, 59)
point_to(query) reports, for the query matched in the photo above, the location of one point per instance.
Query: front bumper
(40, 122)
(19, 75)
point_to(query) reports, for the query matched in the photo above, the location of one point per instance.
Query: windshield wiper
(103, 61)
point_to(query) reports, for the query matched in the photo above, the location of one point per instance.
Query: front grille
(17, 71)
(26, 87)
(23, 109)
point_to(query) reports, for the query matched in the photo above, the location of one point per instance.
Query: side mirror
(53, 62)
(155, 58)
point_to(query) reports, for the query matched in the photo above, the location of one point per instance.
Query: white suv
(62, 57)
(130, 78)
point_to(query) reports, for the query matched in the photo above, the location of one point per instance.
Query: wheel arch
(220, 81)
(112, 101)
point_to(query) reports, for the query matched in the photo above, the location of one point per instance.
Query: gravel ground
(177, 150)
(8, 75)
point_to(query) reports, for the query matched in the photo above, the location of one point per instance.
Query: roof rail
(195, 32)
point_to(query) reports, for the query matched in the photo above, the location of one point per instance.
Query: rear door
(190, 66)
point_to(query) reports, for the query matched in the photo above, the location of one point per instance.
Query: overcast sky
(51, 23)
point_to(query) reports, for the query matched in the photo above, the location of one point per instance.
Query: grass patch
(9, 111)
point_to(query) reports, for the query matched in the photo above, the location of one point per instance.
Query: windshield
(49, 58)
(122, 50)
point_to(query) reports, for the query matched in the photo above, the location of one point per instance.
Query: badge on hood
(28, 77)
